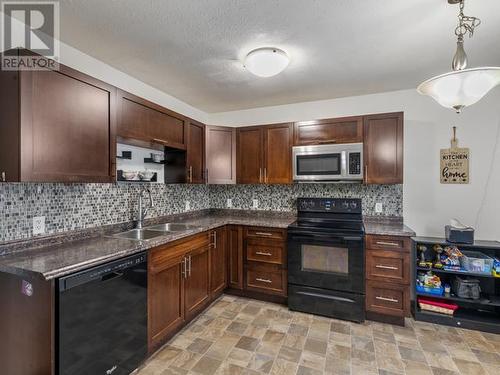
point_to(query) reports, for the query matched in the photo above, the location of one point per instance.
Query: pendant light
(461, 87)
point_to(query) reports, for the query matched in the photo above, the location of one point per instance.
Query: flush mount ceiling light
(461, 87)
(266, 62)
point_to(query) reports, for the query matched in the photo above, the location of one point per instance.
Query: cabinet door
(383, 148)
(250, 155)
(338, 130)
(220, 155)
(235, 257)
(166, 300)
(67, 127)
(218, 261)
(196, 153)
(278, 154)
(197, 293)
(139, 119)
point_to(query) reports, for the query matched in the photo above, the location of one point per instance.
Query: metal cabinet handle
(267, 281)
(206, 176)
(263, 234)
(260, 174)
(189, 270)
(263, 253)
(4, 177)
(184, 269)
(190, 173)
(214, 243)
(387, 243)
(386, 299)
(158, 140)
(265, 175)
(386, 267)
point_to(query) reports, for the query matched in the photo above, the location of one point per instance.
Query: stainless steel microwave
(324, 163)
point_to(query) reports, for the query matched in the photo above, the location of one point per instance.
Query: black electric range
(326, 258)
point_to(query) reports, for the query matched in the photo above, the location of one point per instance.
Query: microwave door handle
(343, 163)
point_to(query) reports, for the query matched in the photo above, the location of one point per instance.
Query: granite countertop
(54, 260)
(60, 255)
(386, 226)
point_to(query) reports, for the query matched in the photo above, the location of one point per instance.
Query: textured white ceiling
(192, 49)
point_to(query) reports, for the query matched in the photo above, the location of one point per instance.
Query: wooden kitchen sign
(454, 163)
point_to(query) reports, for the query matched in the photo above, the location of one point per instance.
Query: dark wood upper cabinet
(264, 154)
(250, 155)
(383, 148)
(196, 153)
(278, 154)
(220, 154)
(56, 126)
(338, 130)
(140, 119)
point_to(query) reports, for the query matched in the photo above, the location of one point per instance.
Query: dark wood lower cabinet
(166, 300)
(197, 282)
(218, 262)
(235, 256)
(387, 278)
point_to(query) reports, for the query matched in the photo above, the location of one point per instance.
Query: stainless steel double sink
(154, 231)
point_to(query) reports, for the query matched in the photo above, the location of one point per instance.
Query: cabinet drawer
(385, 298)
(387, 243)
(265, 251)
(273, 233)
(162, 257)
(385, 265)
(267, 278)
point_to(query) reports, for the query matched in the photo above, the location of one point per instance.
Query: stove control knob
(345, 205)
(354, 205)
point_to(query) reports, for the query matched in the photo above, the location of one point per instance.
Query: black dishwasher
(102, 318)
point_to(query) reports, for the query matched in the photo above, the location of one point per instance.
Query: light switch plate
(229, 203)
(38, 225)
(255, 204)
(188, 205)
(379, 208)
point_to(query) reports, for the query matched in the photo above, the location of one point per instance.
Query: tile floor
(242, 336)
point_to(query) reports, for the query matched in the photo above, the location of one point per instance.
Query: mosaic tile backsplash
(80, 206)
(283, 197)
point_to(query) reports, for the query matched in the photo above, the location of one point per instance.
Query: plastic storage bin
(434, 291)
(474, 261)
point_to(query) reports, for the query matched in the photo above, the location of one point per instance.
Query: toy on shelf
(431, 284)
(439, 250)
(451, 258)
(496, 267)
(421, 259)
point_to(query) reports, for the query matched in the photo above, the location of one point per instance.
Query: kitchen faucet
(143, 211)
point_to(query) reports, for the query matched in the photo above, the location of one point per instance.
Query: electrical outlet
(255, 204)
(188, 205)
(379, 208)
(229, 203)
(38, 225)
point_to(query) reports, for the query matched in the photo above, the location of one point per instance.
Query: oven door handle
(341, 299)
(322, 236)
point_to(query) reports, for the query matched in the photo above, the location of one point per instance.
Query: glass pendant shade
(461, 88)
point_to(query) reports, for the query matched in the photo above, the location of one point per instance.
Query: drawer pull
(267, 281)
(387, 299)
(386, 267)
(263, 253)
(384, 243)
(263, 234)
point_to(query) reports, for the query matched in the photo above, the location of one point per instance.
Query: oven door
(322, 260)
